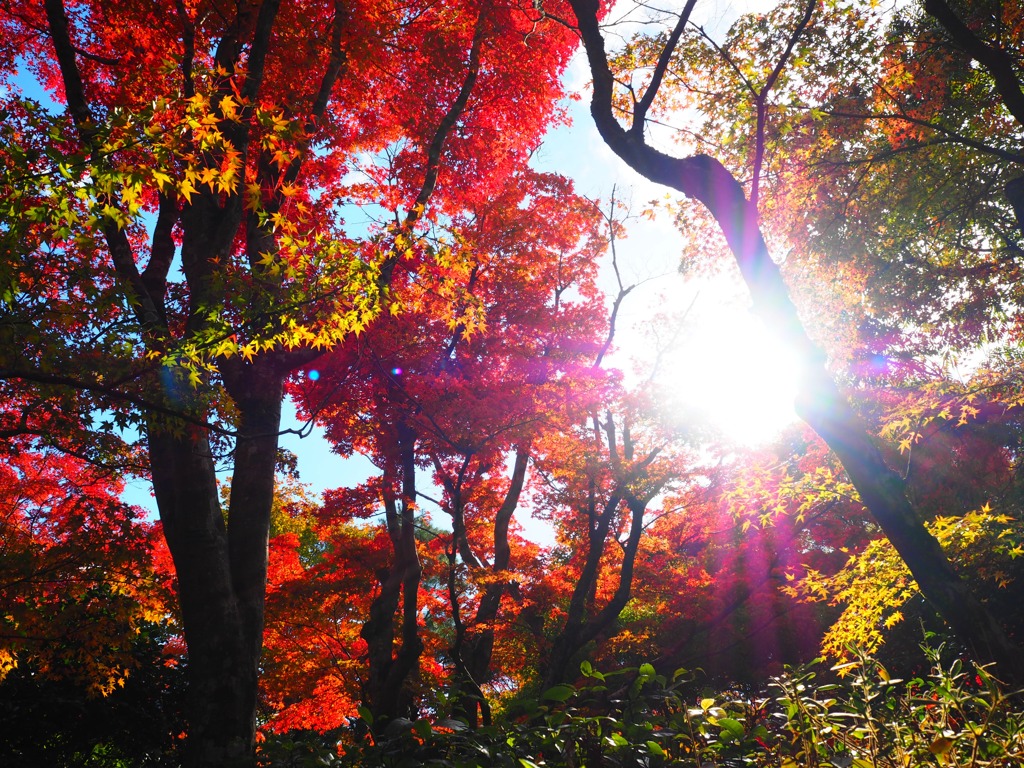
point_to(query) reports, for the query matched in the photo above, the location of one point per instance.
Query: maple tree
(86, 614)
(598, 481)
(477, 410)
(964, 479)
(889, 163)
(771, 513)
(316, 664)
(704, 178)
(184, 195)
(320, 564)
(461, 397)
(721, 549)
(900, 153)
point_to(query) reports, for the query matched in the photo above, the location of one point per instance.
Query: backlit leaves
(874, 585)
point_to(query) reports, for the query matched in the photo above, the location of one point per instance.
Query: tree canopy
(207, 207)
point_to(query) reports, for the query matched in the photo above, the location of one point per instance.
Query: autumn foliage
(207, 207)
(82, 573)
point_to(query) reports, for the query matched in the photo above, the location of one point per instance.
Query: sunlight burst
(730, 372)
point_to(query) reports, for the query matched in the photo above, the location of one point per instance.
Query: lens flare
(733, 374)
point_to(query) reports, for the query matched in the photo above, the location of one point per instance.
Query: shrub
(956, 717)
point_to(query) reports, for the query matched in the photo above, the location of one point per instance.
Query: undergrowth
(958, 716)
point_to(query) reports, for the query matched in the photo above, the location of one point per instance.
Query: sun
(728, 371)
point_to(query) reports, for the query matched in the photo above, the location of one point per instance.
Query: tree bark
(390, 667)
(579, 630)
(221, 728)
(820, 403)
(474, 646)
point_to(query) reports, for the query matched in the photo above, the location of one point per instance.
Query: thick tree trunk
(221, 566)
(821, 404)
(1000, 63)
(257, 390)
(884, 493)
(220, 727)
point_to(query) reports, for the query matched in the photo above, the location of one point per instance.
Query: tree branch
(761, 100)
(640, 112)
(821, 403)
(117, 239)
(998, 62)
(446, 125)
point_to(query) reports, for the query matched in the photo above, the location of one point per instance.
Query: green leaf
(365, 714)
(558, 693)
(655, 748)
(732, 727)
(422, 728)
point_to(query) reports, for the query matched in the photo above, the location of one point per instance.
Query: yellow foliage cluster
(765, 492)
(949, 402)
(875, 584)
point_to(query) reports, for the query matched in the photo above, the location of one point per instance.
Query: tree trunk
(257, 390)
(220, 730)
(821, 404)
(568, 642)
(387, 690)
(221, 565)
(579, 631)
(472, 654)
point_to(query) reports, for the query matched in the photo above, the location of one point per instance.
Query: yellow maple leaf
(229, 108)
(208, 176)
(893, 619)
(186, 189)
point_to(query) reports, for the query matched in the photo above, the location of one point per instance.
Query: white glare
(730, 372)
